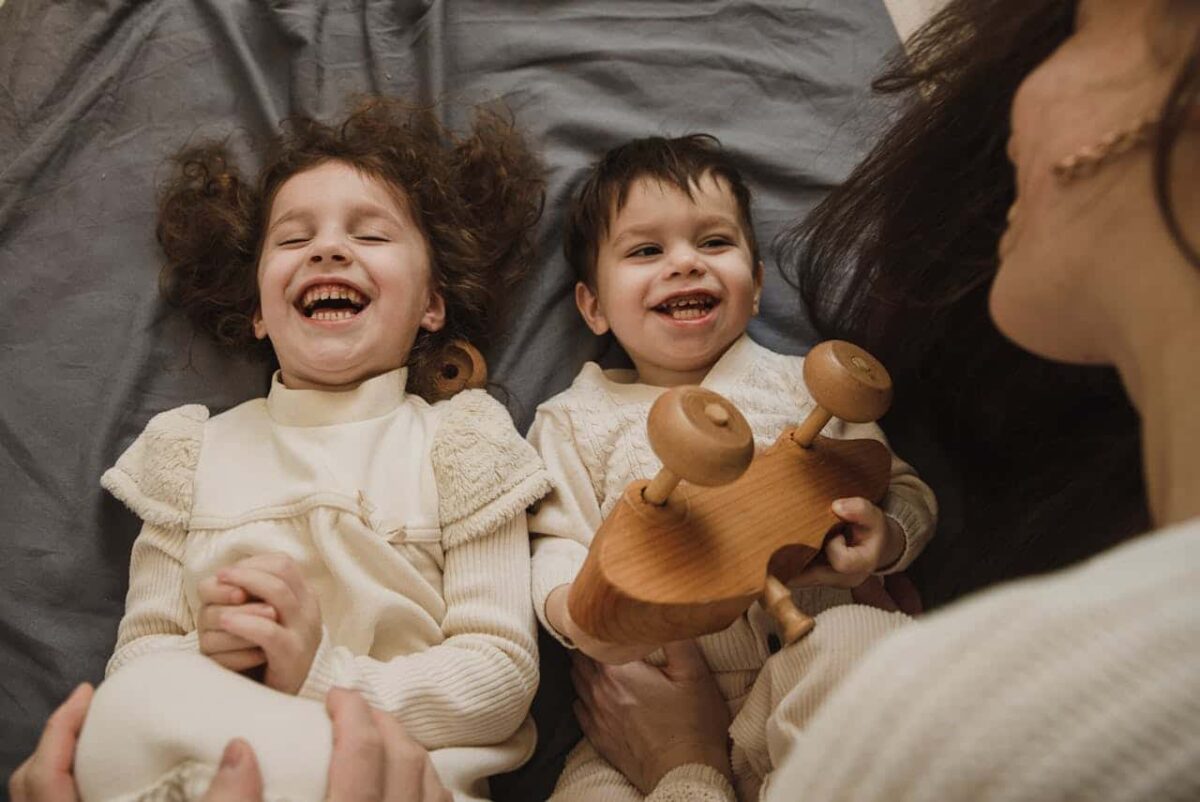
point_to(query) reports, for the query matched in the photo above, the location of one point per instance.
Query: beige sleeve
(693, 783)
(565, 521)
(909, 501)
(1081, 685)
(154, 478)
(476, 686)
(157, 616)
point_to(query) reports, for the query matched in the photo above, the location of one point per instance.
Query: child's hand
(870, 540)
(602, 651)
(289, 643)
(216, 597)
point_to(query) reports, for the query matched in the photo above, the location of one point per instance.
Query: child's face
(344, 279)
(675, 279)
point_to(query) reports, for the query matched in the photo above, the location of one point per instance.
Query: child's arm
(157, 616)
(154, 477)
(473, 688)
(878, 539)
(562, 527)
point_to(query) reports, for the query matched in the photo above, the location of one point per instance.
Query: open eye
(645, 250)
(718, 241)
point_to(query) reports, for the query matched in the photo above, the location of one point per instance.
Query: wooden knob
(847, 382)
(700, 436)
(459, 367)
(777, 600)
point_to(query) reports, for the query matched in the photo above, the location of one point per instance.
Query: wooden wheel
(700, 436)
(846, 382)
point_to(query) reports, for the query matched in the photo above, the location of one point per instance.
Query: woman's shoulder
(485, 471)
(155, 475)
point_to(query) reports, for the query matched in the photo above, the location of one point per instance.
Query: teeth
(325, 292)
(332, 314)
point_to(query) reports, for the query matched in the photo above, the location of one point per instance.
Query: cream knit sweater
(593, 440)
(1083, 685)
(407, 520)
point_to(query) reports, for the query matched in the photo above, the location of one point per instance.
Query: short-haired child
(662, 241)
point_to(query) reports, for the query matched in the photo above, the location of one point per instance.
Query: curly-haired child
(343, 530)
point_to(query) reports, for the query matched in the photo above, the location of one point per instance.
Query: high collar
(374, 398)
(623, 384)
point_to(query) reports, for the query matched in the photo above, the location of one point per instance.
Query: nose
(686, 261)
(331, 249)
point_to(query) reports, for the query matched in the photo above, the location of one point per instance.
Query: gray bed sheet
(94, 97)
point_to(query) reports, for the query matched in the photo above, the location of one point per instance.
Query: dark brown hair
(1037, 464)
(681, 162)
(477, 199)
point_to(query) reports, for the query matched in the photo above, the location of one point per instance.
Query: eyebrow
(357, 212)
(707, 221)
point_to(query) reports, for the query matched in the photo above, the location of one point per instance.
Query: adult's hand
(373, 759)
(46, 776)
(647, 720)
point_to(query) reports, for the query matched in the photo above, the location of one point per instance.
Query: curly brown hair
(477, 199)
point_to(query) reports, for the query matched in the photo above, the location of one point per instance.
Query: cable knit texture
(154, 476)
(1077, 686)
(486, 473)
(592, 438)
(407, 522)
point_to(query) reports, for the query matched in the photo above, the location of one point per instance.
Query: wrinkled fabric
(95, 96)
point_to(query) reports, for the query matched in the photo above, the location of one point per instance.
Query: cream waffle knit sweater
(1083, 685)
(593, 440)
(407, 520)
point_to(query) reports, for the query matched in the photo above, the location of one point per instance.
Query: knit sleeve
(155, 475)
(565, 521)
(485, 472)
(693, 783)
(1081, 685)
(476, 686)
(154, 479)
(909, 501)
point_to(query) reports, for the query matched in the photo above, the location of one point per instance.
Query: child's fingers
(213, 591)
(265, 586)
(278, 565)
(240, 659)
(857, 511)
(846, 559)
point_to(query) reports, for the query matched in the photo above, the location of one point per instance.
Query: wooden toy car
(676, 560)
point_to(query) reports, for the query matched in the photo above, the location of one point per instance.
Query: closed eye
(294, 241)
(371, 238)
(716, 242)
(645, 250)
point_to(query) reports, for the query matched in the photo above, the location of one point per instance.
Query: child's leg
(161, 723)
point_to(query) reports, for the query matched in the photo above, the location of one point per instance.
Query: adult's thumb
(238, 778)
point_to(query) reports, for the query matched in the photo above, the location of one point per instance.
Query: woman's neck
(1163, 379)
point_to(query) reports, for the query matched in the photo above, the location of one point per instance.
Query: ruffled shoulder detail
(486, 473)
(156, 474)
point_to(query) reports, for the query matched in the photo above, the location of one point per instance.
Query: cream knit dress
(593, 440)
(406, 519)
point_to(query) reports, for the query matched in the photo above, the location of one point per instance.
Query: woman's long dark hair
(1037, 464)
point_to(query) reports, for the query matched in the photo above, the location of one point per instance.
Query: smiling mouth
(688, 307)
(332, 302)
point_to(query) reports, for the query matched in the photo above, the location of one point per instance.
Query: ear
(435, 312)
(260, 328)
(589, 306)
